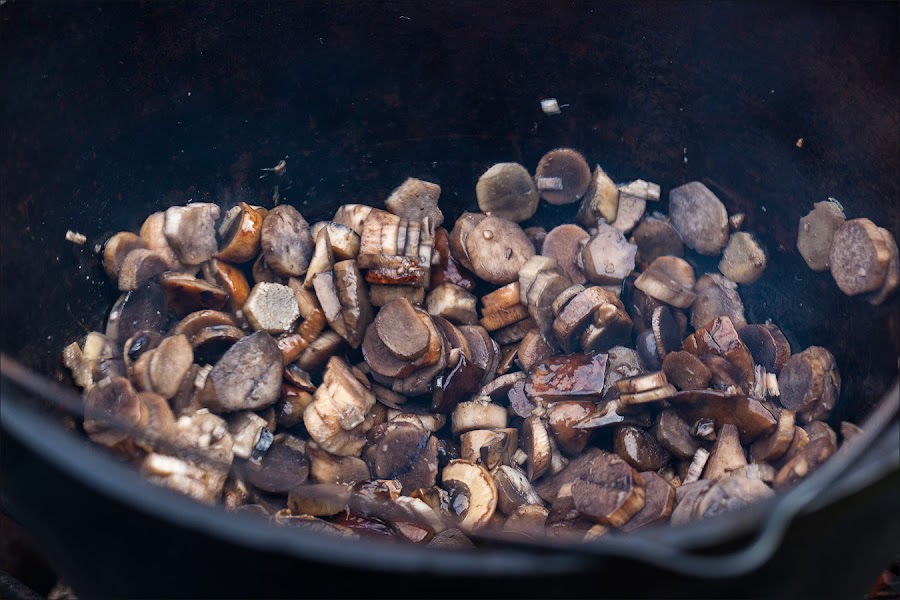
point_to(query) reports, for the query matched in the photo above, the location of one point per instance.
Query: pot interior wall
(116, 110)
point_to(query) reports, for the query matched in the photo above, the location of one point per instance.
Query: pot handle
(773, 527)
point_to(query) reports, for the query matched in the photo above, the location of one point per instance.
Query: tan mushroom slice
(629, 213)
(477, 414)
(452, 303)
(759, 471)
(487, 447)
(687, 496)
(322, 259)
(611, 493)
(776, 444)
(728, 494)
(327, 468)
(527, 520)
(511, 334)
(859, 257)
(497, 249)
(561, 418)
(498, 318)
(547, 286)
(641, 383)
(116, 249)
(263, 273)
(154, 238)
(750, 416)
(356, 309)
(810, 384)
(353, 216)
(575, 316)
(139, 267)
(564, 244)
(717, 296)
(819, 429)
(286, 242)
(381, 360)
(416, 199)
(803, 463)
(700, 217)
(319, 500)
(327, 295)
(816, 232)
(380, 294)
(727, 454)
(674, 434)
(600, 201)
(507, 190)
(536, 443)
(241, 235)
(892, 278)
(668, 281)
(379, 235)
(562, 176)
(507, 296)
(343, 241)
(533, 349)
(191, 231)
(112, 410)
(473, 493)
(402, 332)
(351, 399)
(743, 260)
(569, 377)
(169, 364)
(186, 294)
(282, 469)
(686, 371)
(529, 272)
(659, 500)
(644, 190)
(514, 489)
(608, 257)
(639, 448)
(229, 278)
(102, 356)
(404, 451)
(247, 377)
(459, 236)
(422, 381)
(720, 337)
(210, 343)
(655, 236)
(322, 421)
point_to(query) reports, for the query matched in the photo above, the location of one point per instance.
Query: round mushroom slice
(507, 190)
(608, 257)
(859, 257)
(473, 493)
(459, 236)
(565, 243)
(497, 249)
(668, 279)
(281, 469)
(892, 279)
(744, 260)
(611, 493)
(810, 384)
(816, 233)
(686, 371)
(401, 330)
(700, 218)
(477, 414)
(116, 249)
(562, 176)
(139, 267)
(241, 235)
(286, 242)
(655, 237)
(639, 448)
(601, 200)
(247, 377)
(154, 239)
(767, 345)
(574, 317)
(169, 364)
(210, 343)
(716, 296)
(674, 434)
(111, 410)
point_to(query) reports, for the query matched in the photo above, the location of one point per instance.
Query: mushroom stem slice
(473, 493)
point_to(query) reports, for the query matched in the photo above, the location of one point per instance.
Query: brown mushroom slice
(169, 364)
(355, 307)
(210, 343)
(487, 447)
(600, 201)
(452, 386)
(892, 278)
(622, 362)
(379, 235)
(655, 236)
(507, 190)
(674, 434)
(720, 337)
(498, 318)
(639, 448)
(700, 218)
(750, 416)
(241, 237)
(816, 232)
(608, 257)
(323, 423)
(380, 294)
(160, 423)
(116, 249)
(352, 215)
(728, 494)
(767, 345)
(724, 375)
(447, 269)
(484, 350)
(450, 539)
(246, 429)
(686, 371)
(415, 199)
(611, 493)
(687, 496)
(859, 257)
(289, 408)
(112, 409)
(661, 283)
(547, 286)
(507, 296)
(247, 377)
(281, 470)
(186, 294)
(533, 349)
(350, 397)
(327, 468)
(810, 384)
(395, 451)
(229, 278)
(477, 414)
(473, 493)
(286, 242)
(819, 429)
(401, 331)
(452, 303)
(497, 249)
(513, 333)
(727, 454)
(138, 344)
(536, 444)
(804, 462)
(327, 294)
(380, 359)
(743, 260)
(262, 273)
(139, 267)
(137, 310)
(191, 231)
(561, 418)
(562, 176)
(459, 236)
(527, 520)
(574, 317)
(514, 489)
(776, 444)
(659, 501)
(574, 376)
(319, 500)
(564, 244)
(629, 213)
(641, 383)
(716, 296)
(154, 238)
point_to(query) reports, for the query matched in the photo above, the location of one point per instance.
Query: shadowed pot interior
(114, 111)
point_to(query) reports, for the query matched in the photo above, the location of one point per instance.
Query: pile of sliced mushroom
(380, 375)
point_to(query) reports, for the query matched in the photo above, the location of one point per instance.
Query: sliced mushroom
(776, 444)
(622, 362)
(536, 444)
(611, 493)
(514, 489)
(352, 216)
(727, 454)
(803, 462)
(290, 407)
(659, 500)
(655, 236)
(416, 199)
(600, 201)
(343, 241)
(574, 317)
(379, 294)
(186, 294)
(325, 467)
(497, 249)
(112, 410)
(728, 494)
(245, 428)
(570, 171)
(453, 303)
(859, 257)
(849, 432)
(743, 260)
(639, 448)
(319, 500)
(271, 307)
(143, 309)
(356, 309)
(674, 434)
(229, 278)
(379, 236)
(455, 384)
(687, 496)
(608, 257)
(154, 238)
(720, 337)
(473, 493)
(892, 278)
(767, 345)
(547, 286)
(191, 231)
(493, 319)
(447, 269)
(574, 376)
(485, 352)
(322, 259)
(317, 353)
(210, 343)
(139, 267)
(327, 295)
(700, 217)
(459, 236)
(169, 364)
(477, 414)
(527, 520)
(533, 349)
(565, 243)
(810, 384)
(241, 235)
(529, 272)
(281, 470)
(507, 190)
(286, 242)
(404, 451)
(816, 232)
(686, 371)
(630, 212)
(750, 416)
(247, 377)
(491, 448)
(401, 331)
(668, 279)
(716, 297)
(116, 249)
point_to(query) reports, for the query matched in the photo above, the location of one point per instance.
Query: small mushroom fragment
(247, 377)
(339, 415)
(571, 170)
(728, 494)
(727, 454)
(536, 443)
(154, 238)
(261, 271)
(477, 414)
(810, 384)
(355, 307)
(507, 190)
(892, 278)
(639, 448)
(574, 376)
(139, 267)
(116, 249)
(485, 351)
(819, 429)
(674, 434)
(450, 539)
(459, 236)
(240, 235)
(212, 342)
(608, 257)
(229, 278)
(143, 309)
(322, 259)
(611, 493)
(452, 303)
(343, 241)
(327, 295)
(416, 199)
(700, 218)
(743, 260)
(561, 418)
(859, 257)
(327, 468)
(516, 332)
(717, 296)
(564, 244)
(290, 407)
(767, 345)
(642, 189)
(473, 493)
(720, 338)
(750, 416)
(659, 500)
(668, 279)
(776, 444)
(453, 385)
(629, 213)
(760, 471)
(655, 236)
(816, 232)
(491, 448)
(497, 249)
(191, 231)
(533, 349)
(352, 216)
(601, 200)
(686, 371)
(286, 242)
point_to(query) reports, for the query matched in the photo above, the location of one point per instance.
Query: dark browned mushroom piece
(750, 416)
(700, 217)
(647, 349)
(186, 294)
(716, 296)
(561, 418)
(686, 371)
(403, 451)
(454, 385)
(720, 337)
(776, 444)
(528, 520)
(859, 257)
(497, 249)
(112, 409)
(611, 493)
(674, 434)
(139, 267)
(543, 291)
(816, 232)
(281, 470)
(810, 384)
(548, 488)
(562, 176)
(659, 500)
(229, 278)
(485, 352)
(240, 234)
(574, 376)
(892, 278)
(507, 190)
(608, 257)
(138, 344)
(489, 447)
(137, 310)
(191, 231)
(116, 249)
(447, 269)
(574, 317)
(415, 199)
(286, 242)
(728, 494)
(355, 306)
(655, 236)
(247, 377)
(724, 375)
(536, 444)
(263, 273)
(804, 462)
(601, 200)
(565, 243)
(639, 448)
(621, 362)
(154, 238)
(210, 343)
(289, 408)
(325, 467)
(767, 345)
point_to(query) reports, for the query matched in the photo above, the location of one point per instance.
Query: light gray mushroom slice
(717, 296)
(354, 298)
(247, 377)
(191, 231)
(630, 212)
(608, 257)
(816, 233)
(353, 216)
(507, 190)
(169, 365)
(700, 217)
(287, 244)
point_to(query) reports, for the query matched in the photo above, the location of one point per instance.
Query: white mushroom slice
(499, 387)
(700, 217)
(342, 239)
(320, 350)
(477, 414)
(327, 294)
(191, 231)
(452, 303)
(353, 216)
(642, 383)
(608, 257)
(272, 307)
(601, 201)
(698, 463)
(490, 448)
(655, 395)
(472, 491)
(322, 422)
(379, 234)
(350, 398)
(529, 272)
(178, 475)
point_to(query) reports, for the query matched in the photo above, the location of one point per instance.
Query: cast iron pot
(113, 111)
